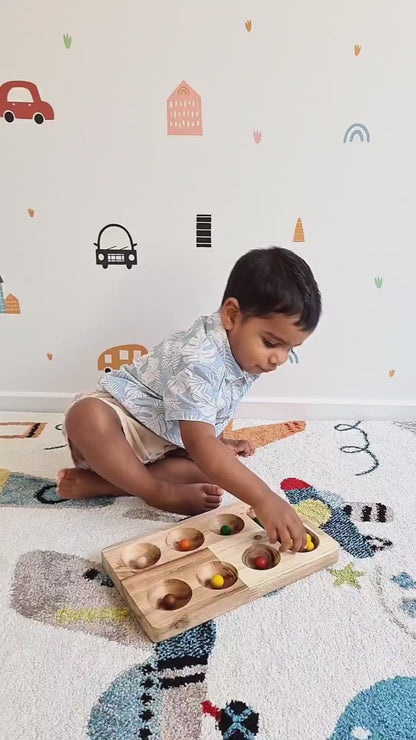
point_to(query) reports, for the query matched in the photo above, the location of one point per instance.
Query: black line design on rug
(410, 426)
(362, 511)
(58, 428)
(353, 449)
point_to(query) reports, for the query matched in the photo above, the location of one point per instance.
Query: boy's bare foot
(79, 483)
(187, 498)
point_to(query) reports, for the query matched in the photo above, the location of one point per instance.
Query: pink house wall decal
(184, 112)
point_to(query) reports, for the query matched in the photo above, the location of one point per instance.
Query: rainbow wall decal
(357, 130)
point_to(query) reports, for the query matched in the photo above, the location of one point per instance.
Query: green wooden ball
(226, 529)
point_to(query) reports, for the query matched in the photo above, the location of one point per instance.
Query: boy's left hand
(242, 447)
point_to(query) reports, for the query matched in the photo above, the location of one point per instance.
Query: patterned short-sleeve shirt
(190, 376)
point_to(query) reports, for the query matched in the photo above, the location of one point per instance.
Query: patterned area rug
(331, 656)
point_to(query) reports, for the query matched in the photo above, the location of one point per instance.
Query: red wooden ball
(261, 562)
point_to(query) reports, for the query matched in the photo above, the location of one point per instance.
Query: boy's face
(260, 345)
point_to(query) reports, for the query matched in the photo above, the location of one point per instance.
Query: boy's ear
(230, 310)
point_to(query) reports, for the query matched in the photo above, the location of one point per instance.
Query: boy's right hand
(281, 522)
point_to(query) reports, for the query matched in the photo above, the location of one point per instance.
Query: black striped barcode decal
(203, 230)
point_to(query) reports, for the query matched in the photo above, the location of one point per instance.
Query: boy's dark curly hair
(275, 280)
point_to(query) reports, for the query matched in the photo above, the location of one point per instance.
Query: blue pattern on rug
(339, 525)
(386, 711)
(19, 489)
(131, 707)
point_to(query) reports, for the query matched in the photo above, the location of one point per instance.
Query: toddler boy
(153, 429)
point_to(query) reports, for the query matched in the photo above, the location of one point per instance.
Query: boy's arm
(223, 468)
(219, 464)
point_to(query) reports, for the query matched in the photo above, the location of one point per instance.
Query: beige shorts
(146, 445)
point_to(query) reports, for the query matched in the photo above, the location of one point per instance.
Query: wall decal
(391, 373)
(257, 136)
(184, 112)
(19, 99)
(123, 354)
(299, 235)
(378, 281)
(49, 355)
(359, 130)
(248, 25)
(67, 41)
(203, 230)
(10, 304)
(293, 357)
(116, 247)
(357, 49)
(31, 212)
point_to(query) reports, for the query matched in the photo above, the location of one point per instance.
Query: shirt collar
(220, 337)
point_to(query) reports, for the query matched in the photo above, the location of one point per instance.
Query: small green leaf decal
(378, 281)
(67, 40)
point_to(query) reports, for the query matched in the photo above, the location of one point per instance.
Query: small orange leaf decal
(391, 373)
(248, 25)
(357, 49)
(31, 212)
(49, 355)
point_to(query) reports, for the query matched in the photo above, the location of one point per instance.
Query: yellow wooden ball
(308, 537)
(310, 546)
(217, 581)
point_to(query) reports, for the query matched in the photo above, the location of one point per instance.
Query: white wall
(107, 157)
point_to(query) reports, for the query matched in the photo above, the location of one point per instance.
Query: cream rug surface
(331, 656)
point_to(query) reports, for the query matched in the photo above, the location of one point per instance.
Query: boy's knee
(89, 416)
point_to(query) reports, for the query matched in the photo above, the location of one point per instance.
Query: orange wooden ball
(185, 544)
